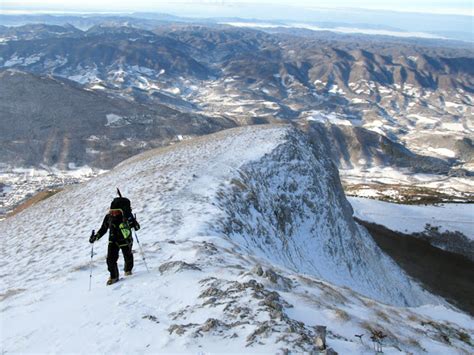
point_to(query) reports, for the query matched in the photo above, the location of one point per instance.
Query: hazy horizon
(438, 21)
(457, 8)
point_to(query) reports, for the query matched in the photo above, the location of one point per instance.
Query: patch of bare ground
(10, 293)
(38, 197)
(444, 273)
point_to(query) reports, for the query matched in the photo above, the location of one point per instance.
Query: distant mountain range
(351, 20)
(394, 102)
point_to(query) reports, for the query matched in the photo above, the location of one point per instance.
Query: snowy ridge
(290, 207)
(163, 199)
(207, 291)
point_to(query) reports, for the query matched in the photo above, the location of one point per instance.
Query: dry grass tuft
(382, 315)
(239, 184)
(368, 302)
(332, 295)
(414, 318)
(342, 315)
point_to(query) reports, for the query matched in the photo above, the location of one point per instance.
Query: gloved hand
(93, 238)
(133, 223)
(136, 226)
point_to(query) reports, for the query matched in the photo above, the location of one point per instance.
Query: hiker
(119, 221)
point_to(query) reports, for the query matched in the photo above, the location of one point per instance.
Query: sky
(458, 7)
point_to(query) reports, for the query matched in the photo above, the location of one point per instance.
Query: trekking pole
(141, 251)
(92, 256)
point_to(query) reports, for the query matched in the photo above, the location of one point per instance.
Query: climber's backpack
(120, 213)
(122, 203)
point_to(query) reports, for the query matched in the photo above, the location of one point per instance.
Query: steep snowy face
(289, 207)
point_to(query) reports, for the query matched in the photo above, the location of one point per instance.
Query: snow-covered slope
(447, 217)
(247, 235)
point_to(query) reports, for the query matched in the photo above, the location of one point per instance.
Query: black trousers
(112, 257)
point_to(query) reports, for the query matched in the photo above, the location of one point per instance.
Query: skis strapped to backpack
(121, 214)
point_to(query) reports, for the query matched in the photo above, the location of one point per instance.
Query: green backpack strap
(124, 226)
(125, 229)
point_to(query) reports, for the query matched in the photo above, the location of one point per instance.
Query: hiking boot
(128, 273)
(111, 281)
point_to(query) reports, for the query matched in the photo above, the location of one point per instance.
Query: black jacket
(116, 226)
